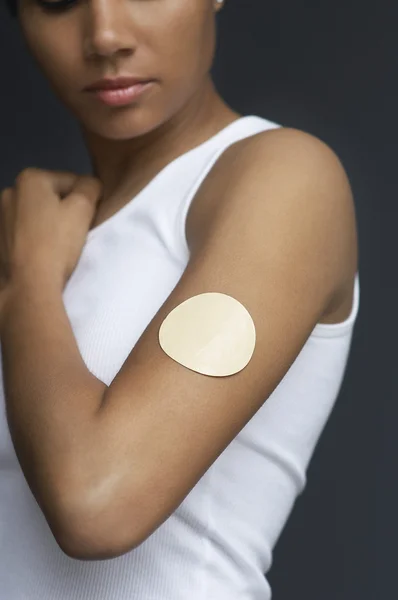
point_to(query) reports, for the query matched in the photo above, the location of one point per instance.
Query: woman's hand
(44, 221)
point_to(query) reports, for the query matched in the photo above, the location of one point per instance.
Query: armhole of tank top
(321, 330)
(345, 327)
(184, 206)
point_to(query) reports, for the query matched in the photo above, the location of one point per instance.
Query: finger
(63, 182)
(7, 209)
(82, 202)
(89, 187)
(59, 182)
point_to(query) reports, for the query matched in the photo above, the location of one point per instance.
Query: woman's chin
(117, 124)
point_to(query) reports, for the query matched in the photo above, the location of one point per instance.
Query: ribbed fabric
(218, 543)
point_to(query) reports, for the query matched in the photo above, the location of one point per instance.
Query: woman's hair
(12, 7)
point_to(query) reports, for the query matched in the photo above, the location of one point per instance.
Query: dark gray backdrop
(328, 68)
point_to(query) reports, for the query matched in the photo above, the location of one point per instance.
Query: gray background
(329, 68)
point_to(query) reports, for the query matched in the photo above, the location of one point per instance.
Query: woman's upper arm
(279, 241)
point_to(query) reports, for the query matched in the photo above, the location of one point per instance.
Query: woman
(148, 452)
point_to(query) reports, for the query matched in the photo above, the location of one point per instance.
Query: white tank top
(218, 543)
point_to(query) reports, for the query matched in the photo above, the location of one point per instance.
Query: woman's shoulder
(295, 172)
(284, 163)
(284, 143)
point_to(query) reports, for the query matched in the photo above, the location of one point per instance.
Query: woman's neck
(124, 166)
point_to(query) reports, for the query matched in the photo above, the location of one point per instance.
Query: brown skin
(172, 42)
(250, 226)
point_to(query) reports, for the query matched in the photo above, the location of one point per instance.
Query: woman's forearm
(51, 396)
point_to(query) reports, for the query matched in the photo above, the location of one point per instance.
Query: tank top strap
(197, 164)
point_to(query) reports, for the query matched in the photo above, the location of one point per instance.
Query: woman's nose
(108, 29)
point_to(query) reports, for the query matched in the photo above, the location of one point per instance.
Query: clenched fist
(44, 221)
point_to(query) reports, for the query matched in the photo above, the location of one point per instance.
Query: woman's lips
(123, 95)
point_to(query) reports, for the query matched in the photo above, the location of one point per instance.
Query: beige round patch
(211, 333)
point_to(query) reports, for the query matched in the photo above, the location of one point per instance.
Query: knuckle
(81, 196)
(6, 198)
(5, 194)
(26, 174)
(93, 181)
(89, 185)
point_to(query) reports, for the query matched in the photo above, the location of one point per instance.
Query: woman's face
(170, 41)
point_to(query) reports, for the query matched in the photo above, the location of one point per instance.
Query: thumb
(82, 201)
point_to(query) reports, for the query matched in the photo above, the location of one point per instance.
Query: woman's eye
(56, 6)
